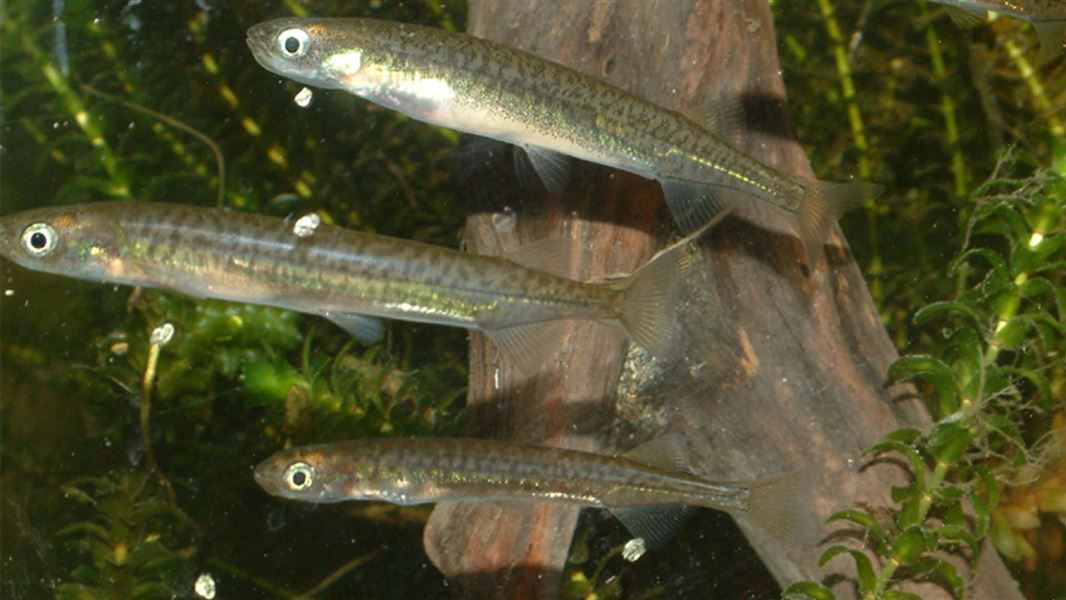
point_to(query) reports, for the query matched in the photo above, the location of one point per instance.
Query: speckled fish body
(649, 488)
(492, 90)
(421, 470)
(333, 271)
(257, 259)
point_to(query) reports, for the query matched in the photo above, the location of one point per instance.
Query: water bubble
(306, 225)
(504, 222)
(303, 97)
(161, 335)
(634, 549)
(205, 586)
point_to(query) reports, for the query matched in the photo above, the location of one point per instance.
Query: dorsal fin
(723, 115)
(668, 452)
(549, 255)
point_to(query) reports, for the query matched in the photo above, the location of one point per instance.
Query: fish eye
(39, 239)
(299, 476)
(293, 42)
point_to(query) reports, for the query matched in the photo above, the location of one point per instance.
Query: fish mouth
(262, 476)
(257, 39)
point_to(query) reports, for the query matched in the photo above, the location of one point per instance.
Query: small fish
(551, 111)
(1047, 16)
(342, 274)
(648, 489)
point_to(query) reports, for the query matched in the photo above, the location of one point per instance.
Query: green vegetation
(972, 290)
(126, 464)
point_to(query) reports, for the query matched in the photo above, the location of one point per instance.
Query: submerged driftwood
(781, 369)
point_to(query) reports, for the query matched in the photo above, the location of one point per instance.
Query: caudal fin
(822, 205)
(772, 506)
(649, 296)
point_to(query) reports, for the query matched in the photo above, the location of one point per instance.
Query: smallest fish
(650, 489)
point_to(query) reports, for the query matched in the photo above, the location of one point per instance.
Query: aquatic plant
(136, 542)
(992, 391)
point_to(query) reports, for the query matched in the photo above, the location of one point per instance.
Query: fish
(344, 275)
(1048, 17)
(650, 489)
(552, 112)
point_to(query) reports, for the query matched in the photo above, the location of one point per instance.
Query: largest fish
(488, 89)
(342, 274)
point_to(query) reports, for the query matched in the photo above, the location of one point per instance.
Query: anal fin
(655, 524)
(529, 347)
(693, 204)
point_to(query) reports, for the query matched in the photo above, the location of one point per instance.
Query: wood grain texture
(781, 370)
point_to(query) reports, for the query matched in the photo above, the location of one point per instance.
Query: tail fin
(772, 506)
(649, 296)
(822, 205)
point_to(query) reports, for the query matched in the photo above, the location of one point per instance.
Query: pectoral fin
(552, 168)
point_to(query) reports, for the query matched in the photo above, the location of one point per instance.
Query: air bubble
(306, 225)
(205, 586)
(161, 335)
(634, 549)
(303, 97)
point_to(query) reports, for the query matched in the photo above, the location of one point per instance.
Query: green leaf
(956, 533)
(932, 369)
(909, 546)
(1038, 380)
(831, 553)
(907, 435)
(948, 442)
(864, 520)
(1013, 333)
(810, 589)
(863, 566)
(908, 451)
(950, 575)
(993, 259)
(937, 309)
(900, 595)
(867, 578)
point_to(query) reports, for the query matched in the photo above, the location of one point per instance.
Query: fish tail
(649, 303)
(822, 205)
(772, 505)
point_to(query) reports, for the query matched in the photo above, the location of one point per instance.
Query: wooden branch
(782, 370)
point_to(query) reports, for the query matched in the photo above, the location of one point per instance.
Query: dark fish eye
(293, 42)
(39, 239)
(299, 476)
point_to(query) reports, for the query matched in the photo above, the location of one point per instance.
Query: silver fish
(341, 274)
(645, 488)
(551, 111)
